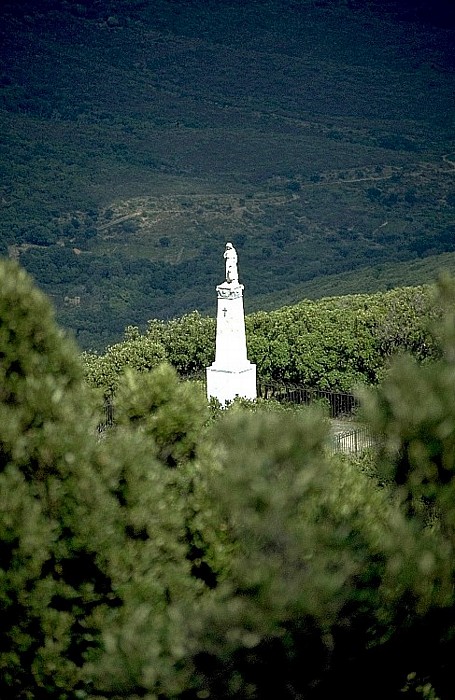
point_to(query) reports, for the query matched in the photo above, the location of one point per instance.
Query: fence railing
(353, 441)
(340, 403)
(108, 422)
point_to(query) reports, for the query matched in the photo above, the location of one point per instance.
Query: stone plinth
(231, 374)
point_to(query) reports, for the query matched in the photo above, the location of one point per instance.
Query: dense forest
(138, 137)
(195, 553)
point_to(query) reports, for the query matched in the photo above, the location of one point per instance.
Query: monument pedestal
(226, 385)
(231, 374)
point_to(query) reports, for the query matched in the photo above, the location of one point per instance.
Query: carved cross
(224, 311)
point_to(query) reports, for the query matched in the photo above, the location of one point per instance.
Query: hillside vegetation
(336, 343)
(138, 137)
(188, 555)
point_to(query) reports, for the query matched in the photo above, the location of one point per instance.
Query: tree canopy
(329, 344)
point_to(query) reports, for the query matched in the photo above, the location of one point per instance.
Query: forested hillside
(138, 137)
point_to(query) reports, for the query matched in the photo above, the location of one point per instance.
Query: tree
(189, 341)
(98, 563)
(45, 427)
(330, 580)
(140, 353)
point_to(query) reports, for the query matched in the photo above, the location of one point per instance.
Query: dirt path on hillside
(178, 204)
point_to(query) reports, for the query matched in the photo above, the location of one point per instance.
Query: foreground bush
(98, 542)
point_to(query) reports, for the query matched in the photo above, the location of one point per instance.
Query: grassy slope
(315, 137)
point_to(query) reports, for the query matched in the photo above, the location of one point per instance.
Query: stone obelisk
(231, 374)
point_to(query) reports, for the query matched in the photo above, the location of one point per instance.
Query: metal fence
(108, 422)
(340, 404)
(353, 441)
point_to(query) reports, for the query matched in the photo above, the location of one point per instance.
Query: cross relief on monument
(232, 374)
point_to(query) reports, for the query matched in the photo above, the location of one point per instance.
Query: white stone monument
(231, 374)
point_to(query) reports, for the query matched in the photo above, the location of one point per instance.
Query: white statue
(230, 255)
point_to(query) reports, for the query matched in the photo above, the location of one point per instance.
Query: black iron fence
(340, 404)
(353, 441)
(108, 410)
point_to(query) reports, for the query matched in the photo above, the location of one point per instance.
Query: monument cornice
(226, 291)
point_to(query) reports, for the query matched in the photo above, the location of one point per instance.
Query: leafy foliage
(414, 409)
(139, 353)
(184, 557)
(328, 344)
(44, 439)
(86, 526)
(170, 412)
(326, 572)
(188, 341)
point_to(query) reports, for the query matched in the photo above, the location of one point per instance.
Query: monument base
(225, 384)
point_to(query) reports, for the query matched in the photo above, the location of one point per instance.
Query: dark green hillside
(365, 280)
(137, 137)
